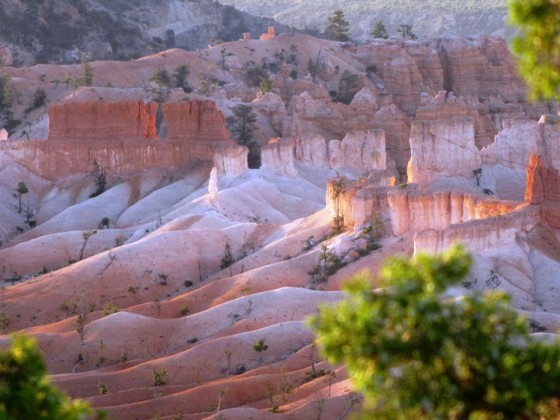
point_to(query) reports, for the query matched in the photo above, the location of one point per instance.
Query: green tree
(159, 84)
(379, 30)
(266, 85)
(170, 39)
(337, 27)
(416, 353)
(85, 235)
(39, 99)
(260, 346)
(21, 189)
(406, 32)
(241, 126)
(181, 75)
(537, 45)
(100, 175)
(87, 74)
(348, 86)
(25, 392)
(5, 94)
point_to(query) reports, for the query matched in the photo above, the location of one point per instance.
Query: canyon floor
(182, 289)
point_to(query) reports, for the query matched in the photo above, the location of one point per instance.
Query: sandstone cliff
(120, 136)
(442, 142)
(101, 121)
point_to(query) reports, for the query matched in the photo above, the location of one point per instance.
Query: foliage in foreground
(25, 392)
(537, 46)
(413, 351)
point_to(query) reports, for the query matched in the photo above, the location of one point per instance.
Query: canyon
(187, 259)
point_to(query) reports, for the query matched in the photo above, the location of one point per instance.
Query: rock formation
(231, 160)
(278, 157)
(508, 150)
(184, 226)
(442, 143)
(194, 122)
(397, 134)
(543, 188)
(120, 136)
(99, 121)
(361, 151)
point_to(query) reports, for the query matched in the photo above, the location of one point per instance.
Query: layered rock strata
(90, 122)
(359, 152)
(442, 142)
(122, 137)
(543, 189)
(231, 160)
(278, 157)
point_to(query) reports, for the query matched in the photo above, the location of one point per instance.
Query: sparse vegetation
(184, 310)
(348, 86)
(266, 85)
(159, 83)
(241, 126)
(163, 279)
(379, 30)
(159, 377)
(181, 76)
(328, 263)
(21, 189)
(260, 346)
(406, 31)
(339, 184)
(4, 321)
(80, 326)
(228, 258)
(102, 388)
(104, 224)
(100, 175)
(110, 308)
(338, 28)
(39, 99)
(86, 236)
(254, 75)
(87, 73)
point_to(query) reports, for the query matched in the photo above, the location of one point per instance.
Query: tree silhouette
(260, 346)
(406, 32)
(379, 30)
(241, 126)
(337, 27)
(21, 189)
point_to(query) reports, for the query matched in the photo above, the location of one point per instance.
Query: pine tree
(241, 125)
(379, 30)
(21, 189)
(406, 32)
(87, 73)
(181, 75)
(337, 27)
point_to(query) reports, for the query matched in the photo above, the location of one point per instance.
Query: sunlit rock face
(125, 137)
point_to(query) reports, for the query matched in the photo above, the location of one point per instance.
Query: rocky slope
(429, 19)
(150, 298)
(60, 31)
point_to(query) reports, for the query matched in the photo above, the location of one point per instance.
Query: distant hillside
(59, 31)
(429, 18)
